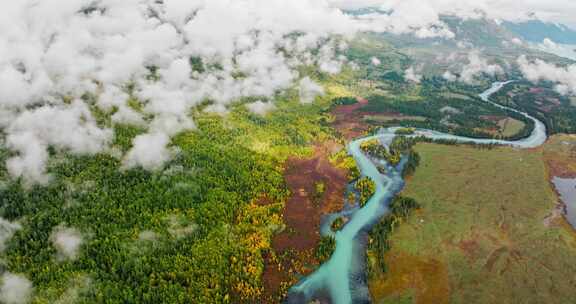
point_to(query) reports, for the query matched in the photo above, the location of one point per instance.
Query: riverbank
(566, 188)
(560, 157)
(317, 188)
(343, 276)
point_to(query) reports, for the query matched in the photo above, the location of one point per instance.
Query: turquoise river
(342, 279)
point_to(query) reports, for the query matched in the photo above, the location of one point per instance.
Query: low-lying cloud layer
(309, 90)
(7, 230)
(67, 241)
(15, 289)
(260, 108)
(538, 70)
(411, 75)
(62, 59)
(174, 53)
(68, 126)
(476, 65)
(549, 46)
(407, 16)
(515, 10)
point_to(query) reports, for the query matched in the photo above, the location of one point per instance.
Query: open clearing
(452, 95)
(482, 235)
(560, 156)
(510, 126)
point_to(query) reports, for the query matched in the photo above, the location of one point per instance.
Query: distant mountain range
(491, 32)
(479, 32)
(536, 31)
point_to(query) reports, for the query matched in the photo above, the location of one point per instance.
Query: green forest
(447, 108)
(194, 232)
(197, 231)
(556, 111)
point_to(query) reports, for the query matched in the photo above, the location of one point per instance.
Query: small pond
(566, 187)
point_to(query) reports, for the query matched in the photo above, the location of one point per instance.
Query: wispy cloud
(175, 54)
(67, 241)
(55, 51)
(538, 70)
(15, 289)
(475, 66)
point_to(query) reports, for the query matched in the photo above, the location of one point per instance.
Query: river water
(342, 279)
(566, 187)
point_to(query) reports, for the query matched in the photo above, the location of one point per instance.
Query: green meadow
(484, 233)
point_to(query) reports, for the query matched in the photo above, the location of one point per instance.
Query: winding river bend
(342, 279)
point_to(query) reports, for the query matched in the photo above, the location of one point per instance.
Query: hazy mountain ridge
(536, 31)
(490, 32)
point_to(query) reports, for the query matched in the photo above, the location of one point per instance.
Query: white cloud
(309, 90)
(31, 162)
(15, 289)
(375, 61)
(537, 70)
(552, 47)
(150, 152)
(76, 288)
(260, 108)
(53, 51)
(7, 231)
(127, 115)
(406, 17)
(69, 127)
(449, 76)
(476, 65)
(552, 10)
(464, 45)
(217, 108)
(547, 43)
(411, 75)
(67, 241)
(517, 41)
(112, 96)
(148, 235)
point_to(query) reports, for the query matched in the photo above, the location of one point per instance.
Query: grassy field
(510, 126)
(456, 96)
(560, 156)
(482, 234)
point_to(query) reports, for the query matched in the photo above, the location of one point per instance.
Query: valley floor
(488, 230)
